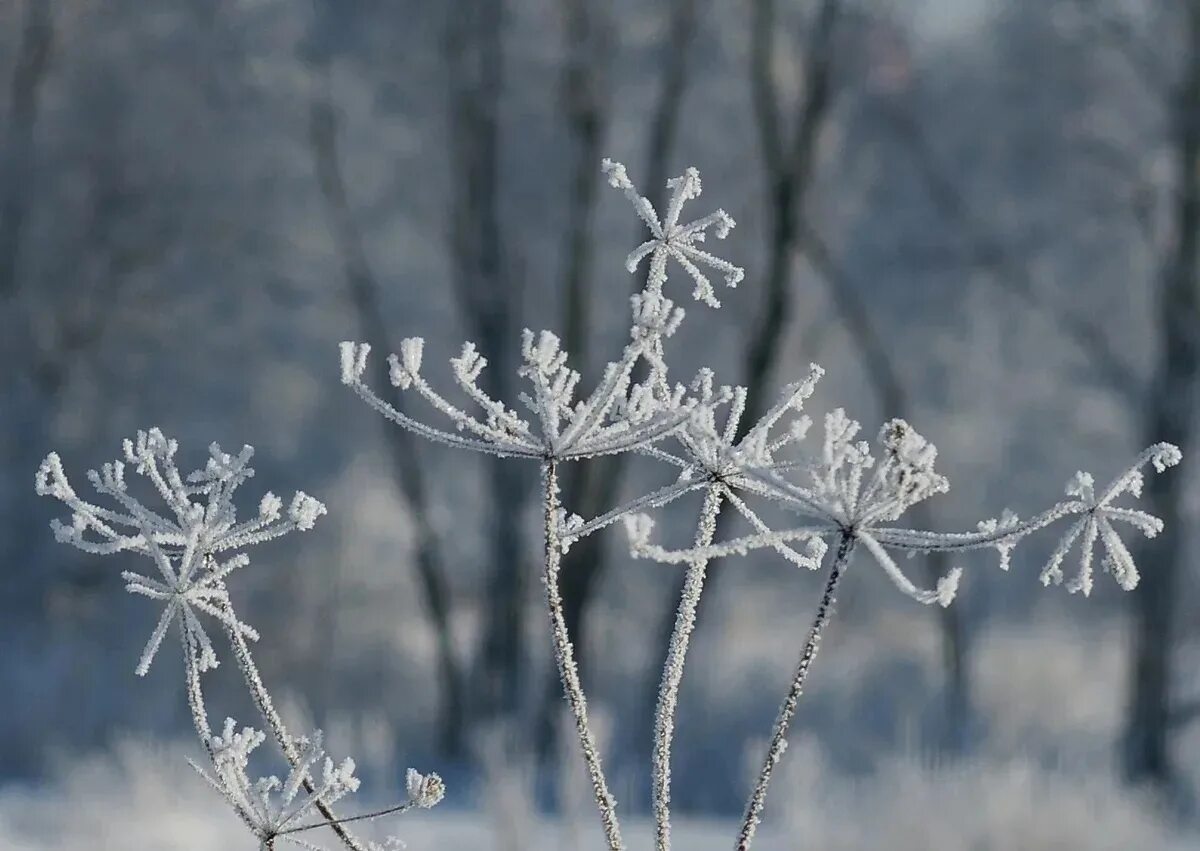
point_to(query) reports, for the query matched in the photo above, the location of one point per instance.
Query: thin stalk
(754, 806)
(195, 697)
(564, 655)
(270, 715)
(668, 692)
(398, 809)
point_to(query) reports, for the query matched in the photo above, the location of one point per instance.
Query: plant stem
(564, 655)
(398, 809)
(672, 675)
(195, 696)
(270, 715)
(787, 710)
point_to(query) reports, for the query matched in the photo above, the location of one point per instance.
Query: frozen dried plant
(622, 414)
(194, 545)
(845, 494)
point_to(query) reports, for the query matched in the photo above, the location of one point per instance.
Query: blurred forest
(981, 216)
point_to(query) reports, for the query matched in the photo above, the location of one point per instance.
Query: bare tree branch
(1007, 271)
(486, 296)
(34, 53)
(407, 472)
(1111, 29)
(1171, 415)
(584, 99)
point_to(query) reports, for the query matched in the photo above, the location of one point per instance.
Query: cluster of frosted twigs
(186, 543)
(847, 495)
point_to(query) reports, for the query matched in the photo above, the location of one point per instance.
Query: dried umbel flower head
(184, 538)
(272, 809)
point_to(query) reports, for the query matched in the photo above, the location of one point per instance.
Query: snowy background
(998, 186)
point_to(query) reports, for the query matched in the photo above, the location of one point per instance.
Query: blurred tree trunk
(584, 97)
(593, 487)
(1170, 416)
(407, 471)
(34, 52)
(488, 299)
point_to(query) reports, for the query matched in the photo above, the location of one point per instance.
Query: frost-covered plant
(845, 494)
(185, 543)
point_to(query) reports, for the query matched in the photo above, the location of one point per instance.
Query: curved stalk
(754, 806)
(564, 656)
(398, 809)
(270, 715)
(668, 692)
(195, 696)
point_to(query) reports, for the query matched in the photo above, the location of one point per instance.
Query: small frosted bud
(815, 549)
(1081, 485)
(341, 777)
(639, 528)
(411, 350)
(568, 528)
(1165, 455)
(424, 790)
(687, 185)
(947, 587)
(702, 384)
(725, 224)
(270, 506)
(469, 364)
(615, 172)
(354, 360)
(305, 510)
(50, 479)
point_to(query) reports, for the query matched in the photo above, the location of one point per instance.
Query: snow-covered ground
(145, 797)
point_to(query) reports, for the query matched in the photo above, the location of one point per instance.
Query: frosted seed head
(398, 375)
(424, 790)
(403, 370)
(639, 528)
(687, 185)
(305, 510)
(1164, 455)
(353, 360)
(947, 587)
(270, 506)
(1082, 486)
(50, 479)
(469, 363)
(616, 174)
(725, 224)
